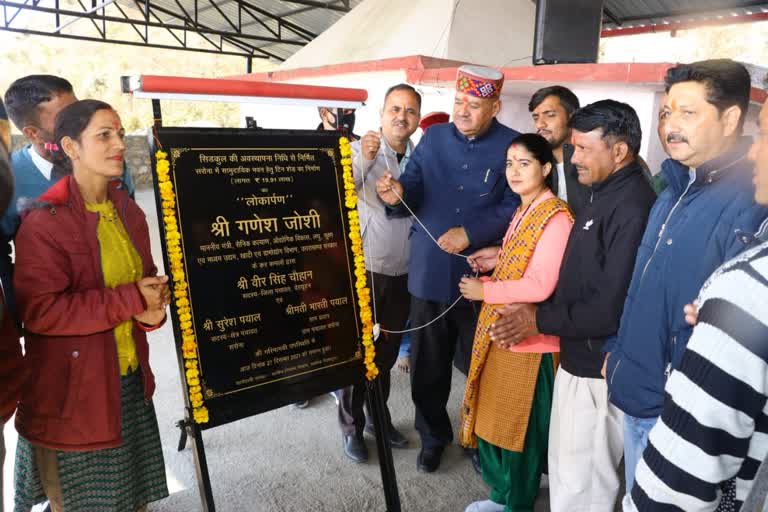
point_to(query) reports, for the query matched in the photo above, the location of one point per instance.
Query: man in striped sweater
(714, 427)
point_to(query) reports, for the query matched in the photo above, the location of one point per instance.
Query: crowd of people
(84, 287)
(600, 311)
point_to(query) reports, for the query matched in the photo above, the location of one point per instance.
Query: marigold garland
(363, 292)
(180, 288)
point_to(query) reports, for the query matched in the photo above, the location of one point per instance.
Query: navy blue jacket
(454, 181)
(694, 227)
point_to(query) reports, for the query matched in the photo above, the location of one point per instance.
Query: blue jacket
(454, 181)
(693, 228)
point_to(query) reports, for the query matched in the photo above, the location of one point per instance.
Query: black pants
(392, 305)
(432, 352)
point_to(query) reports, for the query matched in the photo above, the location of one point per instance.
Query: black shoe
(429, 459)
(354, 447)
(396, 438)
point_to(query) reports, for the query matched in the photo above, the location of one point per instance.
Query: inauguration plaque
(268, 263)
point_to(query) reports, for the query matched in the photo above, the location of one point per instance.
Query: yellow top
(120, 264)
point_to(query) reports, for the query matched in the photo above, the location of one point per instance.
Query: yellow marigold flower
(192, 372)
(200, 415)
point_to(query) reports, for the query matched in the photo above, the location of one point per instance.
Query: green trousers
(514, 477)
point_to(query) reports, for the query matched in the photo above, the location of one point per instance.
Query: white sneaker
(484, 506)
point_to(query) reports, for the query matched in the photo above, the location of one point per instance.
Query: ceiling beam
(320, 5)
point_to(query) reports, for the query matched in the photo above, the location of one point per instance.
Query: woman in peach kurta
(508, 394)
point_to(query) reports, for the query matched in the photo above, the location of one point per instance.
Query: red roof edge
(652, 28)
(422, 70)
(619, 72)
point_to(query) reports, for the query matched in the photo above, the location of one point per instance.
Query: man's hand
(454, 240)
(691, 313)
(370, 145)
(389, 189)
(515, 323)
(471, 288)
(485, 259)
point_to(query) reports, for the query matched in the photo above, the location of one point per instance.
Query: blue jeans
(405, 343)
(636, 432)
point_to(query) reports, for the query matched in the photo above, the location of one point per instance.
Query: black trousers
(432, 352)
(392, 300)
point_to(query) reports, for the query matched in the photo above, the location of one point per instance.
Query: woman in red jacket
(87, 293)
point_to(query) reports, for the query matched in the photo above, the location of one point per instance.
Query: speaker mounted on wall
(567, 31)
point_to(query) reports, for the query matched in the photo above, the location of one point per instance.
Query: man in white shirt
(551, 108)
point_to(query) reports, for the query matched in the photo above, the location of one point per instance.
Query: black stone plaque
(269, 265)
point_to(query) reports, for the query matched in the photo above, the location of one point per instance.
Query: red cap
(433, 118)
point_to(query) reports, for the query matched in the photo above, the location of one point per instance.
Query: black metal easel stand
(376, 405)
(190, 429)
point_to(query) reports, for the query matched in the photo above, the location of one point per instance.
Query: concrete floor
(290, 459)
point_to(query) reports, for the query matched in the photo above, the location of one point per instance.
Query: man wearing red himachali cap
(455, 183)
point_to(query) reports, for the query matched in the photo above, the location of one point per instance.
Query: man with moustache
(551, 108)
(585, 436)
(455, 183)
(712, 428)
(387, 250)
(704, 217)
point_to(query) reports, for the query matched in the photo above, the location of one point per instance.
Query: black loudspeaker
(567, 31)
